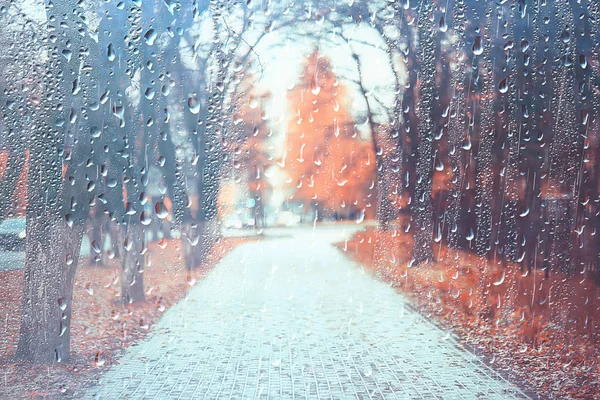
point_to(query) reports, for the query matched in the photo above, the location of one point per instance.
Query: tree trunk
(483, 112)
(423, 208)
(54, 227)
(8, 181)
(134, 262)
(96, 235)
(52, 253)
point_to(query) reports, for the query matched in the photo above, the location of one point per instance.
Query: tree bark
(8, 182)
(423, 208)
(54, 223)
(52, 253)
(134, 262)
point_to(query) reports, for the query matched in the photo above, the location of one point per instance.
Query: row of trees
(490, 142)
(128, 91)
(485, 135)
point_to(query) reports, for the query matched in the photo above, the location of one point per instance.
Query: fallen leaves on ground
(102, 326)
(543, 332)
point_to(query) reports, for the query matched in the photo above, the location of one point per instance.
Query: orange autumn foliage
(253, 154)
(327, 160)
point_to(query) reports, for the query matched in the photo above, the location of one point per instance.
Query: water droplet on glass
(145, 218)
(503, 86)
(193, 105)
(565, 36)
(477, 46)
(150, 36)
(161, 210)
(237, 119)
(99, 359)
(360, 217)
(111, 53)
(67, 54)
(443, 25)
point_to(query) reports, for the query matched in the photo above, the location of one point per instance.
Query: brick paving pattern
(293, 318)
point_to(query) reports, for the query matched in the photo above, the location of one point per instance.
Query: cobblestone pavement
(293, 318)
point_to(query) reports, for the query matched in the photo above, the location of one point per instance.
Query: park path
(291, 317)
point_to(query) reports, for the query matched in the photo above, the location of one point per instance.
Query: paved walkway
(293, 318)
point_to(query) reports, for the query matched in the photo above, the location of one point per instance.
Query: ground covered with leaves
(543, 333)
(102, 326)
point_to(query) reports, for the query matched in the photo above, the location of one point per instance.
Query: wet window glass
(299, 199)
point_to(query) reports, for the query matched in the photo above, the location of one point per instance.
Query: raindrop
(503, 86)
(315, 88)
(76, 87)
(438, 237)
(477, 46)
(160, 304)
(360, 216)
(253, 103)
(96, 247)
(99, 359)
(88, 288)
(150, 36)
(193, 105)
(443, 25)
(145, 218)
(190, 278)
(69, 219)
(91, 186)
(67, 54)
(468, 144)
(161, 210)
(237, 119)
(111, 53)
(439, 134)
(565, 36)
(62, 304)
(470, 236)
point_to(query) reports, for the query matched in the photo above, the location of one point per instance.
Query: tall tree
(252, 153)
(330, 164)
(54, 230)
(423, 211)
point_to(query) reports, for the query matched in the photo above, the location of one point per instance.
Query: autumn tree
(251, 152)
(329, 163)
